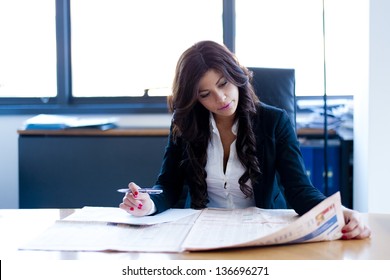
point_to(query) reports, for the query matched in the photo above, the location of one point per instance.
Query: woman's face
(217, 94)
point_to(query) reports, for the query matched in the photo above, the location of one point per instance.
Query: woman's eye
(223, 83)
(204, 94)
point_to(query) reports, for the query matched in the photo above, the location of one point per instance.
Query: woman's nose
(221, 96)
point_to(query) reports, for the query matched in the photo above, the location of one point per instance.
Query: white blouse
(223, 188)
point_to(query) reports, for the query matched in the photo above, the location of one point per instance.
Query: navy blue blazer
(279, 156)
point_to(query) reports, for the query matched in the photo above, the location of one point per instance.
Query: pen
(144, 190)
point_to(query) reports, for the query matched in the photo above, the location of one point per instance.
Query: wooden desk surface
(97, 132)
(18, 226)
(162, 131)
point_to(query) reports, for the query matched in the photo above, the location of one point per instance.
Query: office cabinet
(72, 171)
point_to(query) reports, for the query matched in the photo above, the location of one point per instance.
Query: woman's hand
(136, 203)
(354, 226)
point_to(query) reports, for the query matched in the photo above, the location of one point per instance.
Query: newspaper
(217, 228)
(207, 229)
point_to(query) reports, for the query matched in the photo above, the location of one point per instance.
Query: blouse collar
(214, 128)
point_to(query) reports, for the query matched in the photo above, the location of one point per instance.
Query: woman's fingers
(354, 227)
(134, 201)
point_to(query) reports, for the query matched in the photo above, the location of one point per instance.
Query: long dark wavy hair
(191, 120)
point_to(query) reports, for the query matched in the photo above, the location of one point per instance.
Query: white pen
(143, 190)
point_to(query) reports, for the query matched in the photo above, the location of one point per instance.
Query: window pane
(27, 49)
(121, 47)
(346, 23)
(289, 34)
(283, 34)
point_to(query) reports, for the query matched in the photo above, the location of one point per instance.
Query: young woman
(227, 146)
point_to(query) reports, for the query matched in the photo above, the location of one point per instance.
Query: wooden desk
(138, 131)
(21, 225)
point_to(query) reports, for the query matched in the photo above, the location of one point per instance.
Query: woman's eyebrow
(220, 78)
(218, 81)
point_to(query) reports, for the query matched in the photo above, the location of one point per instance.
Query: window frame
(64, 102)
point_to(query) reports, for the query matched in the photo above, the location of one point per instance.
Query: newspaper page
(72, 235)
(217, 228)
(117, 215)
(95, 229)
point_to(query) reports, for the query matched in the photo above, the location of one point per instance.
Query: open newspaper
(177, 230)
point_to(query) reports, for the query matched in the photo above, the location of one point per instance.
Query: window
(27, 49)
(102, 56)
(97, 55)
(289, 34)
(124, 48)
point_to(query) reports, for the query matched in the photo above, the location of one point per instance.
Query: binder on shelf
(58, 122)
(313, 157)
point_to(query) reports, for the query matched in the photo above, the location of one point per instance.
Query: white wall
(9, 181)
(372, 117)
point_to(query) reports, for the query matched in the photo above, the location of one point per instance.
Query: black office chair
(276, 87)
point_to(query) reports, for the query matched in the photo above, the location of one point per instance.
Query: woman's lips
(227, 106)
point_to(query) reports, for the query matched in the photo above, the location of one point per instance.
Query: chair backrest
(276, 87)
